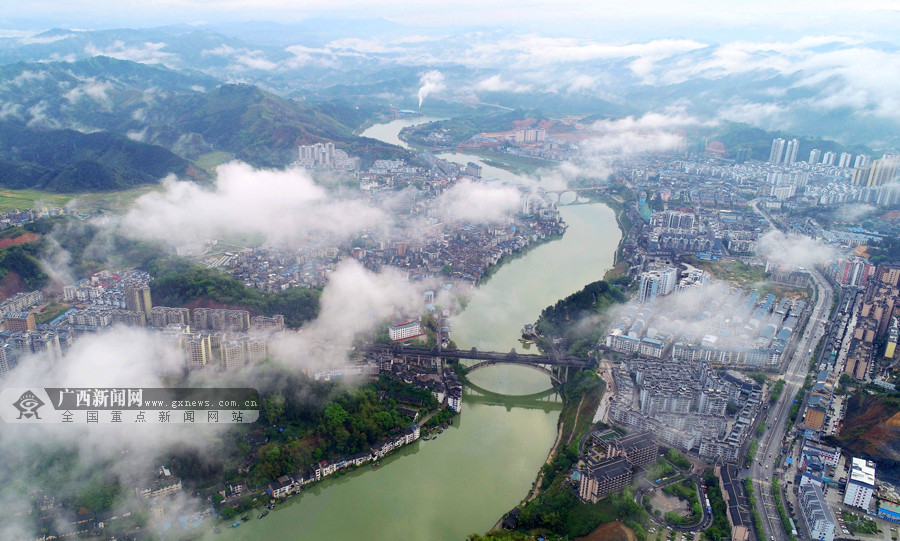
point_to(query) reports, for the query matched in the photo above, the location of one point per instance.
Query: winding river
(484, 464)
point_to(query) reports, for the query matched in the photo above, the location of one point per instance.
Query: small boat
(264, 513)
(236, 524)
(375, 465)
(441, 431)
(245, 518)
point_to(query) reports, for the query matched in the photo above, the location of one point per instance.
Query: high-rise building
(220, 319)
(844, 161)
(264, 323)
(4, 360)
(317, 155)
(19, 321)
(861, 484)
(884, 171)
(862, 160)
(232, 354)
(656, 283)
(775, 155)
(254, 350)
(860, 176)
(814, 156)
(137, 298)
(162, 316)
(196, 349)
(790, 155)
(828, 158)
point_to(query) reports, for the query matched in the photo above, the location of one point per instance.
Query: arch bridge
(539, 368)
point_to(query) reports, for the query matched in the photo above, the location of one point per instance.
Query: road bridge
(542, 363)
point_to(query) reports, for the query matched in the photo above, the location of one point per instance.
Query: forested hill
(71, 161)
(574, 319)
(198, 287)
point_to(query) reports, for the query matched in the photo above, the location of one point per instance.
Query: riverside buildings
(609, 464)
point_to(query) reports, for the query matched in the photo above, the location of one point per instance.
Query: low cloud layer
(277, 204)
(353, 303)
(793, 250)
(479, 203)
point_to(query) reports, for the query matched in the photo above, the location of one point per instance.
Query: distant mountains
(108, 124)
(194, 91)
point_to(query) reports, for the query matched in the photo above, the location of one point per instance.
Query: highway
(772, 442)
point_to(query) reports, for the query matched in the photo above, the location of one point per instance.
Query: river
(484, 464)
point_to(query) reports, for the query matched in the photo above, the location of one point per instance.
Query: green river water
(484, 464)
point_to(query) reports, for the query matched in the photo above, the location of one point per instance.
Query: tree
(273, 407)
(335, 415)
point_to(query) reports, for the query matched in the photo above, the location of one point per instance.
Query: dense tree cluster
(561, 319)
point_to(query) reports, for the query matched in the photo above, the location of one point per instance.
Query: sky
(638, 19)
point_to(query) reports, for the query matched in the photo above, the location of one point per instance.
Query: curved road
(705, 522)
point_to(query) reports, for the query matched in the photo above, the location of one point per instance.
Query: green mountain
(189, 114)
(71, 161)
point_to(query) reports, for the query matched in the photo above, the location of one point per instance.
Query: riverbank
(574, 422)
(622, 221)
(508, 258)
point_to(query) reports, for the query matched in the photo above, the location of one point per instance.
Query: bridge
(488, 358)
(576, 190)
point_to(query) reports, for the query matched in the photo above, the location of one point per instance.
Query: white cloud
(478, 202)
(354, 302)
(93, 89)
(149, 53)
(496, 83)
(793, 249)
(765, 115)
(31, 40)
(277, 204)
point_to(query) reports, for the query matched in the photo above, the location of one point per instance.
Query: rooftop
(863, 471)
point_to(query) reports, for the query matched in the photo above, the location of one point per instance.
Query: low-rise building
(818, 517)
(281, 487)
(405, 331)
(889, 511)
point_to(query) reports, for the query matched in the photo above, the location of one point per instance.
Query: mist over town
(430, 271)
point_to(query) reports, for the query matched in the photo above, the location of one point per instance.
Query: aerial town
(700, 362)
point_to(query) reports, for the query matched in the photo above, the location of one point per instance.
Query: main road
(772, 442)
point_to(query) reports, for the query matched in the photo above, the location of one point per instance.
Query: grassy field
(23, 199)
(523, 165)
(211, 160)
(119, 200)
(50, 312)
(735, 271)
